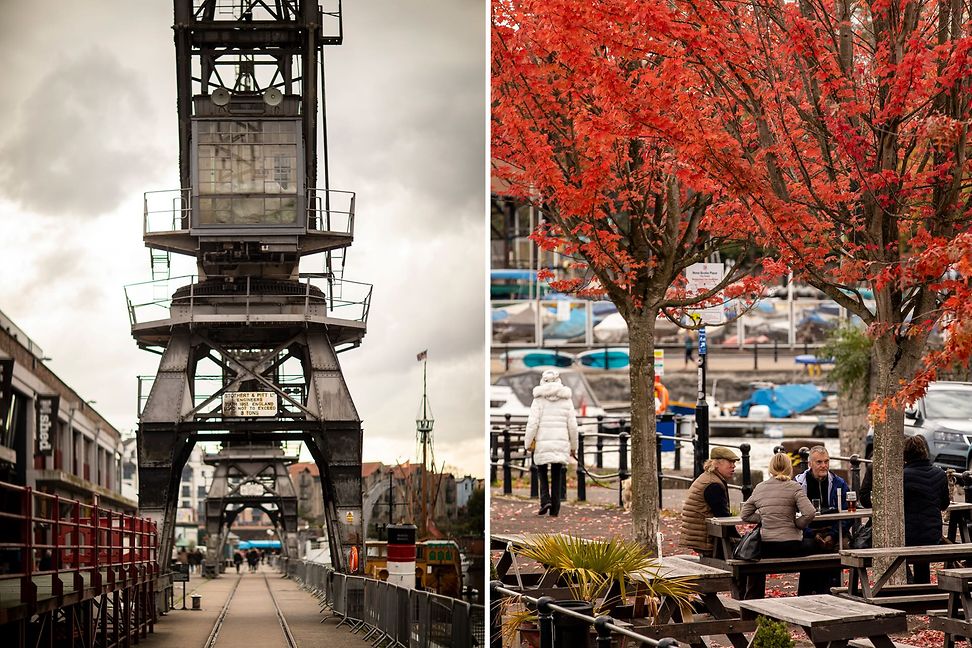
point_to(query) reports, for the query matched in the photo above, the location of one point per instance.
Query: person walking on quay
(708, 496)
(551, 434)
(689, 349)
(774, 504)
(237, 560)
(826, 491)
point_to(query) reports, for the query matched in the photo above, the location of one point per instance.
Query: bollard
(777, 449)
(603, 631)
(755, 356)
(967, 485)
(600, 441)
(747, 473)
(855, 472)
(658, 466)
(196, 601)
(622, 464)
(507, 470)
(581, 475)
(493, 455)
(545, 621)
(495, 615)
(804, 453)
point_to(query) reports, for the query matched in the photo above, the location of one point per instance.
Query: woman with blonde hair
(774, 504)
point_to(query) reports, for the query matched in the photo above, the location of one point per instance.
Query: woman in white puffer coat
(551, 432)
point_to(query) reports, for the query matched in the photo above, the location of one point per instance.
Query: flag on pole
(422, 356)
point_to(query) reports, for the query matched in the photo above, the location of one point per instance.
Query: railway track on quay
(249, 617)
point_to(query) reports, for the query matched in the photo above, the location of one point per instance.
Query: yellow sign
(350, 517)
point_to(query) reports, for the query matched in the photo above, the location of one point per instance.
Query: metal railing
(551, 618)
(151, 301)
(166, 210)
(330, 211)
(71, 546)
(611, 436)
(170, 210)
(390, 615)
(573, 325)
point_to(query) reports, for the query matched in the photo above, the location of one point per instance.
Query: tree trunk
(644, 468)
(852, 421)
(888, 496)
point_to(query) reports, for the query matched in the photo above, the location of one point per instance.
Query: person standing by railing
(551, 434)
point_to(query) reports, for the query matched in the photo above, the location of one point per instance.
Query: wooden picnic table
(956, 619)
(829, 620)
(682, 625)
(959, 517)
(722, 530)
(914, 597)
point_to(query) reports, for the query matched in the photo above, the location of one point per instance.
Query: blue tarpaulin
(783, 400)
(259, 544)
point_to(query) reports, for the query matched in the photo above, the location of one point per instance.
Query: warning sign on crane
(249, 404)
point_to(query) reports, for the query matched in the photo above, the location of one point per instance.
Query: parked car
(944, 418)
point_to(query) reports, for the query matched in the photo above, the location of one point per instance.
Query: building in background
(197, 477)
(391, 493)
(51, 438)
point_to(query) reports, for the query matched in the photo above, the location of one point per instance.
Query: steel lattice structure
(248, 209)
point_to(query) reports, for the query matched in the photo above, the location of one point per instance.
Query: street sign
(702, 342)
(659, 362)
(700, 277)
(249, 404)
(180, 573)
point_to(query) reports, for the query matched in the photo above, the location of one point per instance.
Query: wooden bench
(956, 619)
(916, 598)
(831, 621)
(867, 643)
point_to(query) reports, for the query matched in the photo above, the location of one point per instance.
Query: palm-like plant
(592, 568)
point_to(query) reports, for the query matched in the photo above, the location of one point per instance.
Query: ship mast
(423, 426)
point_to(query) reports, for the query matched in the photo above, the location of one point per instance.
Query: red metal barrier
(90, 549)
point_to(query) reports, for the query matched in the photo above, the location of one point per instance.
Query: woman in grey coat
(774, 504)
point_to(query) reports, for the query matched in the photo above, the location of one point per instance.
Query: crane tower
(249, 344)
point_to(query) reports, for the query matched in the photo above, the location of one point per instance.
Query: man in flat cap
(708, 496)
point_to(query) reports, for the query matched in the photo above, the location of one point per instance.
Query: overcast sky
(89, 124)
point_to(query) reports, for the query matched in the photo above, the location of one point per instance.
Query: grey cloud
(428, 122)
(78, 142)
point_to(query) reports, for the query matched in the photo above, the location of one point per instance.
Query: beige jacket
(774, 503)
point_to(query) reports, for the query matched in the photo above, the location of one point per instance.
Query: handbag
(750, 546)
(861, 538)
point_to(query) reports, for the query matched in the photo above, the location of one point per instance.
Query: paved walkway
(251, 619)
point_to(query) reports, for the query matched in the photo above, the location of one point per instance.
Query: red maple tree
(843, 127)
(587, 126)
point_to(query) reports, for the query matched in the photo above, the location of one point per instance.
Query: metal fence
(613, 437)
(554, 618)
(388, 614)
